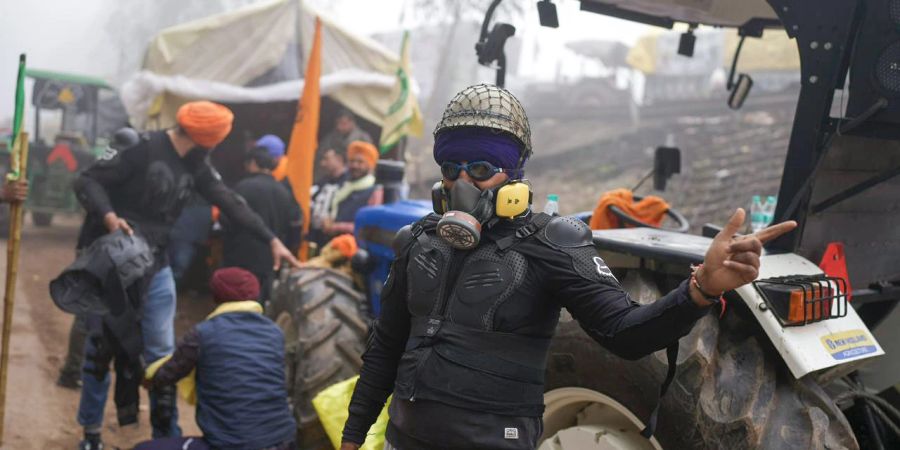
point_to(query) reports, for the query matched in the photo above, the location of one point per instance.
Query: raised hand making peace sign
(733, 260)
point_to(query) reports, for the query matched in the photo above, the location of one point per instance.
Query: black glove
(161, 415)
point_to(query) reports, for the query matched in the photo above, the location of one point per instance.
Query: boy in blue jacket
(237, 358)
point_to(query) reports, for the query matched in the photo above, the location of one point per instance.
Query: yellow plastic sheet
(331, 405)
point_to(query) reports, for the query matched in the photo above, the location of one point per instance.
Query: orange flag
(304, 137)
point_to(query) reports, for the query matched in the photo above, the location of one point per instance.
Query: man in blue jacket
(236, 356)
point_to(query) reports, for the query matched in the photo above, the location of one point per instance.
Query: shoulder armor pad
(411, 232)
(566, 231)
(430, 221)
(401, 239)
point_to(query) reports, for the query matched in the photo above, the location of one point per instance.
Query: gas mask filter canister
(468, 207)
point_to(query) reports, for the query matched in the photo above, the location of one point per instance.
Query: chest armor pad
(466, 289)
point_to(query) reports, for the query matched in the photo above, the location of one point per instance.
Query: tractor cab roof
(754, 14)
(38, 74)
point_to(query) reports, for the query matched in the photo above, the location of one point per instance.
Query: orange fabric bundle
(650, 210)
(206, 123)
(364, 149)
(346, 244)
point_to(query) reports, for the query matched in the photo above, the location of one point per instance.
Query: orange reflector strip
(816, 308)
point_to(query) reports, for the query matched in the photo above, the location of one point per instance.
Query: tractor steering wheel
(676, 216)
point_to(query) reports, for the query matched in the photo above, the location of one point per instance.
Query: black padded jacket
(450, 393)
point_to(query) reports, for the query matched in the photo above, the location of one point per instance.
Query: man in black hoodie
(278, 210)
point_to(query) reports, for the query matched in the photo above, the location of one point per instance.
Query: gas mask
(465, 209)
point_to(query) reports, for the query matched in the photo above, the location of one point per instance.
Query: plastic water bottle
(769, 208)
(771, 203)
(552, 206)
(757, 214)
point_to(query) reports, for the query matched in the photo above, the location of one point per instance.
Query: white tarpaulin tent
(251, 55)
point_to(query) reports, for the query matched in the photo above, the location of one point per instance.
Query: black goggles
(477, 170)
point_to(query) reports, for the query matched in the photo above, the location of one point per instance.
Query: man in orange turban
(365, 155)
(143, 189)
(360, 190)
(205, 123)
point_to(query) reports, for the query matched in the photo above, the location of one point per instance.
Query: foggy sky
(107, 38)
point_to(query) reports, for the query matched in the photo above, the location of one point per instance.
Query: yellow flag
(304, 136)
(403, 116)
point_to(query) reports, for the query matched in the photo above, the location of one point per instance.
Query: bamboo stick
(12, 265)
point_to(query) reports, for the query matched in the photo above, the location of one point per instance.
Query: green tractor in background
(73, 114)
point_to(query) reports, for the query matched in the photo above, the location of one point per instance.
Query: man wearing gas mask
(474, 295)
(142, 189)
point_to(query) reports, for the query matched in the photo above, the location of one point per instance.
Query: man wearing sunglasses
(468, 314)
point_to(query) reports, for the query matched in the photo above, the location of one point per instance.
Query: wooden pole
(12, 265)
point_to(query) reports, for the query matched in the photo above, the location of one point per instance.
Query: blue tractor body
(375, 228)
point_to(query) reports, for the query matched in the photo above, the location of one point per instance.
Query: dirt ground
(40, 414)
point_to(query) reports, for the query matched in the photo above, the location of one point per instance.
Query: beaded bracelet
(715, 299)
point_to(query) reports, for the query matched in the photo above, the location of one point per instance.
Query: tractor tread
(309, 344)
(350, 318)
(329, 333)
(317, 302)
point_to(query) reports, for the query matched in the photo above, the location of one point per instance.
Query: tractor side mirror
(740, 91)
(490, 49)
(666, 162)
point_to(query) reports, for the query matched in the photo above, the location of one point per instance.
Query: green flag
(403, 117)
(18, 114)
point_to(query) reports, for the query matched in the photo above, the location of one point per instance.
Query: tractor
(72, 114)
(806, 356)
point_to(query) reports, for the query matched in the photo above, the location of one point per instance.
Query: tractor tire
(41, 219)
(731, 390)
(319, 311)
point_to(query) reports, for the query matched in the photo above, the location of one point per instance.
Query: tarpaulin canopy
(251, 55)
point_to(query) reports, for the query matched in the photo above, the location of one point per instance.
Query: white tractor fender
(815, 346)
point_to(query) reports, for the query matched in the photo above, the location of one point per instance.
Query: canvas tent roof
(251, 55)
